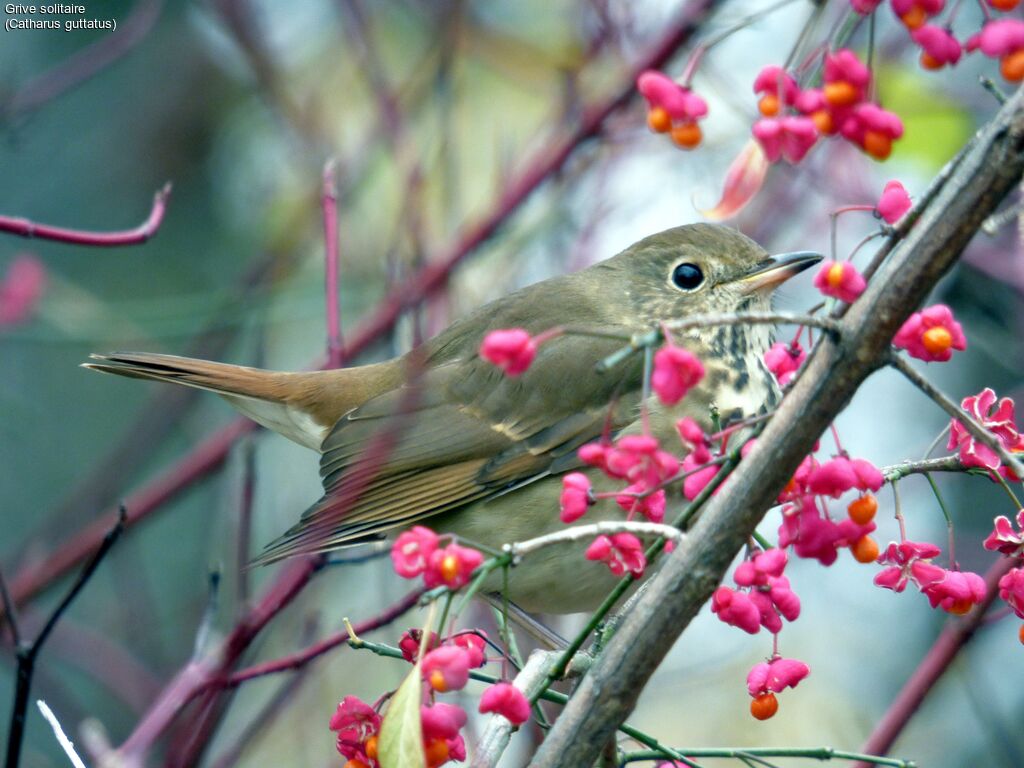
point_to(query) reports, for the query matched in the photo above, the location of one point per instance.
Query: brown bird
(459, 446)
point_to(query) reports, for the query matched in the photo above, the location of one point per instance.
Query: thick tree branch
(988, 171)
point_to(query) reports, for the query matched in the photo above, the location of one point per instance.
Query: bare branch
(62, 739)
(977, 431)
(934, 664)
(139, 234)
(923, 467)
(578, 532)
(27, 655)
(497, 730)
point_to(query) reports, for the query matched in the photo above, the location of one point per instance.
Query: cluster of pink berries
(1010, 542)
(445, 666)
(762, 598)
(418, 552)
(794, 118)
(840, 107)
(1001, 39)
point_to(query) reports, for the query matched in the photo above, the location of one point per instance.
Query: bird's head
(701, 268)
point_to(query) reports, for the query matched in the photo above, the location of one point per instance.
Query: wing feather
(456, 439)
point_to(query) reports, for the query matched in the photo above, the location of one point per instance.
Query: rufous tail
(301, 406)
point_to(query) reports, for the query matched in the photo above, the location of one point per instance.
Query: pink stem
(201, 673)
(954, 637)
(835, 438)
(303, 657)
(139, 234)
(335, 351)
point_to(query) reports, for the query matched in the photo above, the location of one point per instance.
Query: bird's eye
(687, 276)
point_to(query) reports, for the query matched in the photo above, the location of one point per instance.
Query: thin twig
(578, 532)
(10, 612)
(303, 657)
(140, 234)
(497, 730)
(642, 340)
(27, 654)
(329, 202)
(243, 546)
(934, 664)
(976, 430)
(62, 739)
(923, 467)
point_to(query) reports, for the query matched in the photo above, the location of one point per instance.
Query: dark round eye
(687, 276)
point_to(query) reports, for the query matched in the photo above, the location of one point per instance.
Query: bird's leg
(608, 628)
(539, 631)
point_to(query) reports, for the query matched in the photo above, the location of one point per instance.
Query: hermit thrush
(457, 445)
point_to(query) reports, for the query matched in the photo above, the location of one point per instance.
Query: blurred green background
(430, 108)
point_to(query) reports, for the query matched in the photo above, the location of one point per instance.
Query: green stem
(1008, 489)
(657, 748)
(624, 584)
(498, 561)
(813, 753)
(945, 513)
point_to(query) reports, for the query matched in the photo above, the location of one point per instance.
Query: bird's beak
(777, 269)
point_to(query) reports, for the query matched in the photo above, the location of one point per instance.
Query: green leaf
(401, 733)
(936, 124)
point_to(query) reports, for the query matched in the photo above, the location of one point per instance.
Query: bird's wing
(464, 431)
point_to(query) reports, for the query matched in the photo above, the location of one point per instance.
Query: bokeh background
(430, 108)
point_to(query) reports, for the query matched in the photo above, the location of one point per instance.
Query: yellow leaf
(401, 733)
(743, 180)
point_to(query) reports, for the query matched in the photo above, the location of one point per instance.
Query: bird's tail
(284, 402)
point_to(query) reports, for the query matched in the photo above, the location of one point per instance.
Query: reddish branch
(139, 234)
(200, 674)
(934, 664)
(303, 657)
(329, 200)
(206, 458)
